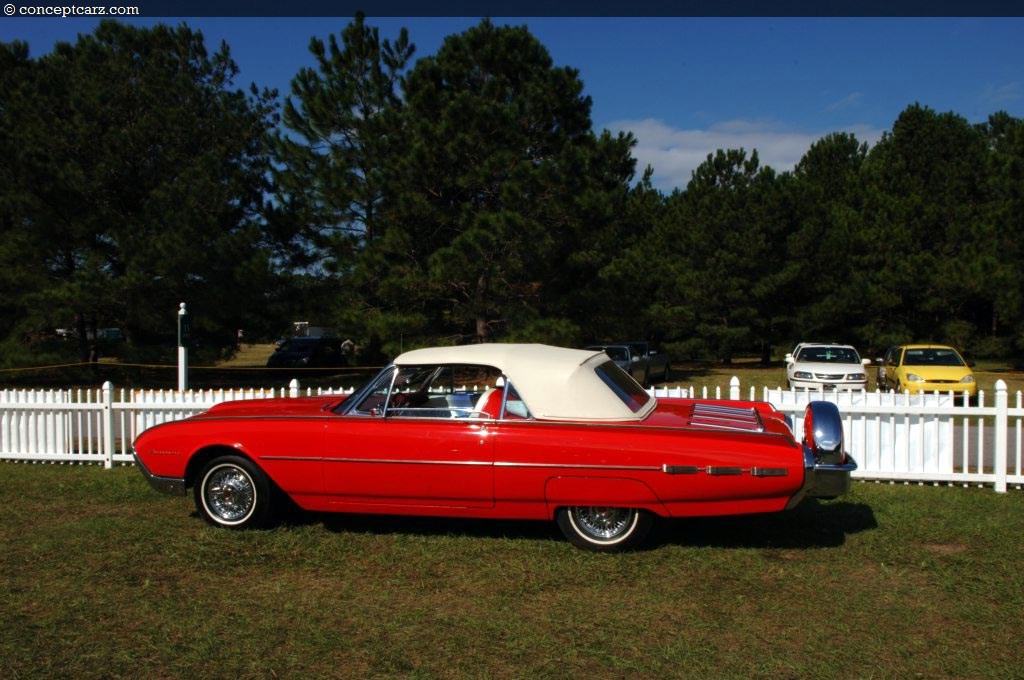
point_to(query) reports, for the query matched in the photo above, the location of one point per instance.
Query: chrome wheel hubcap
(229, 493)
(603, 523)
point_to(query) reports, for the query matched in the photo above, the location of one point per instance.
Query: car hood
(938, 372)
(816, 367)
(302, 406)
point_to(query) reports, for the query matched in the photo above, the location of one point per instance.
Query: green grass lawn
(100, 576)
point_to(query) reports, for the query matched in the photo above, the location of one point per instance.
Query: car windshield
(431, 391)
(617, 353)
(932, 357)
(625, 388)
(829, 355)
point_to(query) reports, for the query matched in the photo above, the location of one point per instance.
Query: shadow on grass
(437, 526)
(812, 524)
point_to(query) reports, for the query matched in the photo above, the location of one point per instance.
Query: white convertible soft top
(555, 383)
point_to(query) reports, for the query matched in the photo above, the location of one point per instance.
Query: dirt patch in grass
(943, 548)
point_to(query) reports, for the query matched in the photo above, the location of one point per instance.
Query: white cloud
(1010, 92)
(850, 100)
(675, 154)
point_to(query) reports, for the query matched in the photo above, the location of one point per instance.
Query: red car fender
(601, 491)
(201, 451)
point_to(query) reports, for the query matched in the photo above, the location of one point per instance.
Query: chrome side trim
(680, 469)
(502, 464)
(724, 471)
(382, 461)
(769, 472)
(304, 459)
(172, 486)
(575, 466)
(405, 461)
(719, 471)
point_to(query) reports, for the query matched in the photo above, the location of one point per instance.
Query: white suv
(815, 366)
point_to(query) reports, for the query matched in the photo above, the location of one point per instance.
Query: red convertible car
(503, 431)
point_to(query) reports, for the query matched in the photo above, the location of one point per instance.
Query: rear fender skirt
(601, 491)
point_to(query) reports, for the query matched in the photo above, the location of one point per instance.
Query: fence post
(107, 425)
(1002, 416)
(734, 388)
(293, 388)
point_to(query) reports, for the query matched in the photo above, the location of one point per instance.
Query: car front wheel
(604, 529)
(233, 492)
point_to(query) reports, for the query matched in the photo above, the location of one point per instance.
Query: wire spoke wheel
(233, 492)
(604, 524)
(604, 528)
(229, 493)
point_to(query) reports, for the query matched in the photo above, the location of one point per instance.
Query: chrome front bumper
(168, 485)
(826, 386)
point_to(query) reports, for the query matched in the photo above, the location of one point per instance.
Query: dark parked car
(639, 359)
(308, 353)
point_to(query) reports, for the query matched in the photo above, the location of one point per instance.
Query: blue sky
(688, 86)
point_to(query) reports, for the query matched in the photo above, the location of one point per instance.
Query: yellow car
(926, 368)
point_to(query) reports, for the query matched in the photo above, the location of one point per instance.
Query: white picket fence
(904, 438)
(99, 426)
(926, 438)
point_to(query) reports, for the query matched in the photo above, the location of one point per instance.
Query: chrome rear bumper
(823, 480)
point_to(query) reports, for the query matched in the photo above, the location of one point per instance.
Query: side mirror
(866, 362)
(790, 359)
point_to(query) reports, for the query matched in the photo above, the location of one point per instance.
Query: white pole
(107, 425)
(1002, 415)
(182, 351)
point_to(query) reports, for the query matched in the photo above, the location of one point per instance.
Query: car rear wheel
(604, 529)
(233, 492)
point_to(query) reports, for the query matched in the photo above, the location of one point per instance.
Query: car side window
(515, 408)
(440, 391)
